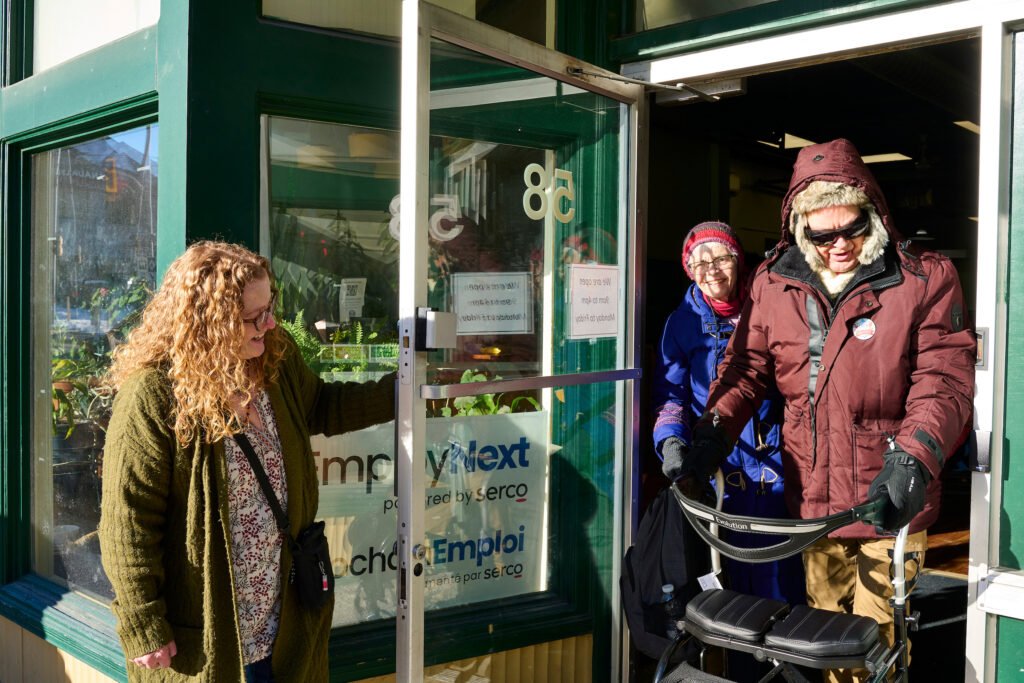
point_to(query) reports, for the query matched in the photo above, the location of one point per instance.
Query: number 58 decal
(539, 190)
(449, 211)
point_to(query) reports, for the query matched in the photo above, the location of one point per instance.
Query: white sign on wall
(493, 303)
(593, 301)
(484, 512)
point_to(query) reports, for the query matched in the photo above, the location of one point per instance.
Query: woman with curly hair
(188, 539)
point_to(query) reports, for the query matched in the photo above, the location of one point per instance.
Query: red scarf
(725, 309)
(732, 307)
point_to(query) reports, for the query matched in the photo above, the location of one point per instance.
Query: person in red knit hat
(715, 241)
(692, 346)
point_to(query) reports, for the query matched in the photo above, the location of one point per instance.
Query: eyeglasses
(850, 231)
(260, 321)
(720, 263)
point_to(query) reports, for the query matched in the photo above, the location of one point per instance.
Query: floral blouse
(255, 538)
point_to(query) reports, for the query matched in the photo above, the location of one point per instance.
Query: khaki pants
(852, 575)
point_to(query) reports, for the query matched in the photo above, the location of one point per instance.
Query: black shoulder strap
(261, 476)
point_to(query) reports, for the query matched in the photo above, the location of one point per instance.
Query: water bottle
(673, 610)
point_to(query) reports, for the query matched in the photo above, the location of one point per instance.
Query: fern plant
(309, 345)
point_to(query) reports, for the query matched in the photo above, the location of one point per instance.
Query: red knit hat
(711, 231)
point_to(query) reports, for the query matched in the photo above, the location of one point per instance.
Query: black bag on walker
(666, 550)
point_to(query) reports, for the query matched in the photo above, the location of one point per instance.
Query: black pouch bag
(311, 566)
(311, 572)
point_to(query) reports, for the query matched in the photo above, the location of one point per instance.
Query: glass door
(516, 346)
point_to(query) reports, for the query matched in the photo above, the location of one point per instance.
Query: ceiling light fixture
(880, 158)
(795, 142)
(969, 125)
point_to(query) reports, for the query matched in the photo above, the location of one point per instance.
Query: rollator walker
(773, 630)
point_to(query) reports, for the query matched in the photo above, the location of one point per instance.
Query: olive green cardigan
(164, 530)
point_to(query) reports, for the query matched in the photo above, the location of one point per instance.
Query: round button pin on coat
(864, 328)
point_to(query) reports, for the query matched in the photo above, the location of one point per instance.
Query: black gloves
(710, 447)
(902, 480)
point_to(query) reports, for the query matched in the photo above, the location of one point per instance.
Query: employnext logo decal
(487, 459)
(378, 467)
(484, 480)
(444, 551)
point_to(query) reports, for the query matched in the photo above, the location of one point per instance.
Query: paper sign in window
(493, 303)
(351, 296)
(594, 301)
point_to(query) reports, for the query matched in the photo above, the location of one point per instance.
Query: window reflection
(333, 191)
(94, 264)
(530, 19)
(63, 30)
(658, 13)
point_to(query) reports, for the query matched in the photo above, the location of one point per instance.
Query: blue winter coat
(692, 345)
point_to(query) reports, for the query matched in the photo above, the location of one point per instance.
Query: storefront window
(658, 13)
(530, 19)
(528, 255)
(332, 192)
(93, 267)
(63, 30)
(517, 502)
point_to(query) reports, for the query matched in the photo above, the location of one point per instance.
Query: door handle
(980, 445)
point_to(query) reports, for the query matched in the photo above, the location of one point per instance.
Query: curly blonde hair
(193, 330)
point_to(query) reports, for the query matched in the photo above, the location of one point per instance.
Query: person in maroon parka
(864, 336)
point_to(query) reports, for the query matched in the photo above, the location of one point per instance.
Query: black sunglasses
(852, 230)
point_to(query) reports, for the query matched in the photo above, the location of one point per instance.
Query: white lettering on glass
(540, 188)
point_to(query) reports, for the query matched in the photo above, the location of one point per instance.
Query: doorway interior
(731, 160)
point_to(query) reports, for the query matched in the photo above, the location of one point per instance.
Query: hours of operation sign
(493, 303)
(594, 301)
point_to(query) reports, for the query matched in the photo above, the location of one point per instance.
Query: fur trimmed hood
(833, 174)
(835, 162)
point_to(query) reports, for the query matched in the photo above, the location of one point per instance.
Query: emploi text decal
(485, 506)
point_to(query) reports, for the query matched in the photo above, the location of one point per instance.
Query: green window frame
(71, 621)
(109, 89)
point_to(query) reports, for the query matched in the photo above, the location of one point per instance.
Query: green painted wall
(1010, 653)
(1011, 529)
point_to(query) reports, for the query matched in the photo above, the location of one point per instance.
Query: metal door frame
(422, 21)
(994, 21)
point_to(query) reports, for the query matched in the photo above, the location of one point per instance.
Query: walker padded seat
(820, 633)
(729, 614)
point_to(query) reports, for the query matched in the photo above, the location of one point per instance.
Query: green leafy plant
(121, 301)
(309, 346)
(68, 388)
(483, 404)
(76, 398)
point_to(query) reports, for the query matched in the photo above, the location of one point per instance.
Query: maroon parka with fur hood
(888, 357)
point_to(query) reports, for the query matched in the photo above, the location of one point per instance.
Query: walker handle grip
(799, 533)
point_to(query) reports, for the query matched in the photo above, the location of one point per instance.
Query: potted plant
(122, 305)
(481, 404)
